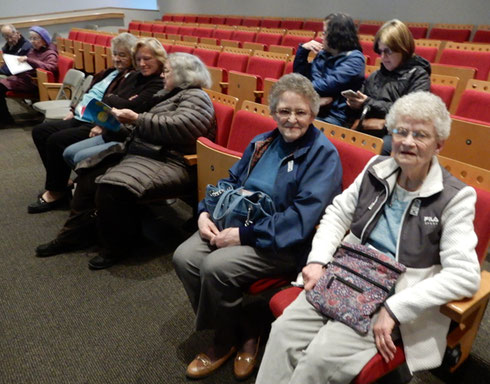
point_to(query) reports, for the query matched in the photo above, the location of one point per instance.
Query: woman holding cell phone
(338, 65)
(402, 72)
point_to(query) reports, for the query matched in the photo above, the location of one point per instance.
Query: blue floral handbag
(356, 283)
(235, 207)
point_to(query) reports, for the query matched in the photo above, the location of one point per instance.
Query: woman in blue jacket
(300, 169)
(338, 66)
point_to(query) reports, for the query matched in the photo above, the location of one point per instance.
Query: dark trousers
(4, 111)
(103, 212)
(51, 139)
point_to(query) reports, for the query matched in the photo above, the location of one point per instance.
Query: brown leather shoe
(202, 365)
(245, 363)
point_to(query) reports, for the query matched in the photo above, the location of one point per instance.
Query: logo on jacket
(428, 220)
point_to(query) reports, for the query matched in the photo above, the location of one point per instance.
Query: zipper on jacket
(345, 282)
(372, 282)
(385, 264)
(376, 212)
(373, 203)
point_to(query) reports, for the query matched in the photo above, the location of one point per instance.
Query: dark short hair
(342, 32)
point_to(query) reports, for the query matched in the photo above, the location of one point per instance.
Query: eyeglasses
(34, 38)
(417, 135)
(386, 52)
(9, 37)
(285, 113)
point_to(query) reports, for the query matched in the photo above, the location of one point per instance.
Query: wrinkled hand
(207, 229)
(325, 101)
(95, 131)
(69, 116)
(358, 101)
(313, 45)
(382, 335)
(22, 59)
(226, 238)
(311, 274)
(125, 116)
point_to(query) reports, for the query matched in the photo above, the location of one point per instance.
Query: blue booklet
(100, 114)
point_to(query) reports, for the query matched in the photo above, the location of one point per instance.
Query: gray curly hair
(298, 84)
(188, 71)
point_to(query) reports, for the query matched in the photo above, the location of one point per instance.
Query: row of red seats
(217, 36)
(286, 23)
(458, 33)
(96, 38)
(474, 104)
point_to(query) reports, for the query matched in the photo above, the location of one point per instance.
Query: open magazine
(100, 114)
(14, 65)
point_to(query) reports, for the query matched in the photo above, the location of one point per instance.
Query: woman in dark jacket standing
(339, 65)
(120, 87)
(149, 164)
(43, 55)
(401, 73)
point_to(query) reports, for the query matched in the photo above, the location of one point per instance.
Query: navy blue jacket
(331, 75)
(307, 181)
(20, 49)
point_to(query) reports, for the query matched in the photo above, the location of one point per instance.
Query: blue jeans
(85, 148)
(331, 120)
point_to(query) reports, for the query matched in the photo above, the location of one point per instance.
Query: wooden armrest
(461, 309)
(52, 85)
(223, 85)
(258, 94)
(104, 55)
(191, 159)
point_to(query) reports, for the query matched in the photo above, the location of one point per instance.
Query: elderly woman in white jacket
(406, 206)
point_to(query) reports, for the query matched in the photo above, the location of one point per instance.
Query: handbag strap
(223, 206)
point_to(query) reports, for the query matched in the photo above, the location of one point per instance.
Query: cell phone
(349, 93)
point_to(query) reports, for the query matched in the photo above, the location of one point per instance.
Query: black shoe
(102, 261)
(41, 205)
(54, 247)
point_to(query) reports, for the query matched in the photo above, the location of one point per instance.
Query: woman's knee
(69, 155)
(216, 266)
(181, 258)
(39, 133)
(281, 328)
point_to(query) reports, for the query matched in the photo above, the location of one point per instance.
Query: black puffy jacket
(384, 87)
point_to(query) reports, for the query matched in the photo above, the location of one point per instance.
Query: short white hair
(421, 105)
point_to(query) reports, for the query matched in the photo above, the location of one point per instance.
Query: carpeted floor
(62, 323)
